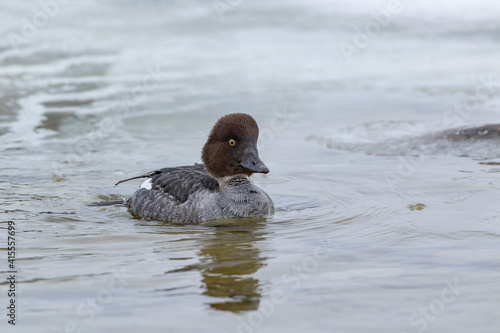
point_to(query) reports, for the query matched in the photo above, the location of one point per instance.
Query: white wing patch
(147, 184)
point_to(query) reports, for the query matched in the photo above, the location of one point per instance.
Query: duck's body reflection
(229, 257)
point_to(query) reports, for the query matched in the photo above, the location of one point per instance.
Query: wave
(392, 139)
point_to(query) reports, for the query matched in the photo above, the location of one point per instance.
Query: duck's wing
(196, 166)
(179, 182)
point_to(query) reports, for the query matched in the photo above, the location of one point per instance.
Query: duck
(219, 188)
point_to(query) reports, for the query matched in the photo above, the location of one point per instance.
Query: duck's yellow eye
(232, 142)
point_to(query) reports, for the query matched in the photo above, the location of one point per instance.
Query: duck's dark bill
(253, 163)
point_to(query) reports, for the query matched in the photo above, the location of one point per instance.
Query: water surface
(379, 227)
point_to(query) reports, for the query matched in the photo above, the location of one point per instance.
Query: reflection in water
(229, 260)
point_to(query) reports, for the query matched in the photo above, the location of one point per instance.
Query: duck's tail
(114, 202)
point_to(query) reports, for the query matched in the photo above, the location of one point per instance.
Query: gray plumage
(189, 194)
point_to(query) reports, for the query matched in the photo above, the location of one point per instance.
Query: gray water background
(108, 90)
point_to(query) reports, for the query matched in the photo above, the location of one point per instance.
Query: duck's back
(167, 194)
(189, 194)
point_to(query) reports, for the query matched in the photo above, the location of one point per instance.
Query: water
(380, 225)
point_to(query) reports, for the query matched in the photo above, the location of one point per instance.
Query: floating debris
(419, 206)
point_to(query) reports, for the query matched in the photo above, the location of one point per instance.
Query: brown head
(231, 147)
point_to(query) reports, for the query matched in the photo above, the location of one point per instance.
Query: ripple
(392, 139)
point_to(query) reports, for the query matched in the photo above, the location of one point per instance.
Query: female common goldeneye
(219, 188)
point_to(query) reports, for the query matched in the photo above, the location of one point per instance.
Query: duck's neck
(235, 180)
